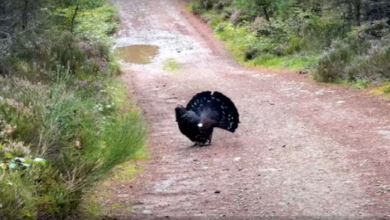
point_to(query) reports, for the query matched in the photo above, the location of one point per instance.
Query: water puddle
(137, 54)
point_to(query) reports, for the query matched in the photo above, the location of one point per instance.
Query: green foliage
(276, 41)
(345, 40)
(361, 84)
(201, 6)
(238, 39)
(254, 8)
(18, 196)
(196, 7)
(88, 4)
(81, 133)
(247, 46)
(84, 4)
(294, 62)
(58, 53)
(212, 19)
(96, 25)
(65, 123)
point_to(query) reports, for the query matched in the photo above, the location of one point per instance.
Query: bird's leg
(202, 144)
(211, 136)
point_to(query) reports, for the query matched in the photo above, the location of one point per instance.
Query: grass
(360, 84)
(289, 62)
(127, 131)
(93, 205)
(171, 65)
(67, 111)
(382, 90)
(251, 50)
(126, 171)
(96, 24)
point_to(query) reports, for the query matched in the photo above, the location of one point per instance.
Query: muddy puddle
(137, 54)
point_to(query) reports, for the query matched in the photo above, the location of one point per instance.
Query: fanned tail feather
(215, 106)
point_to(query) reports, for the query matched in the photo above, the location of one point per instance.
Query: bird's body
(203, 113)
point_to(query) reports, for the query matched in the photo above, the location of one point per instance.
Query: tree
(377, 10)
(16, 18)
(254, 8)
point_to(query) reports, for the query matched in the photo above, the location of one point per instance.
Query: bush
(21, 101)
(200, 6)
(373, 66)
(239, 39)
(354, 60)
(332, 63)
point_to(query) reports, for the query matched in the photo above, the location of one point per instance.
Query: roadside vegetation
(65, 121)
(337, 41)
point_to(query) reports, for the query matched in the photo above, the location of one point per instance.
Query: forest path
(301, 149)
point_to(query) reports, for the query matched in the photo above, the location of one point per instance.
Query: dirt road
(302, 149)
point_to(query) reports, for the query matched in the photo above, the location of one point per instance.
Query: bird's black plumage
(203, 113)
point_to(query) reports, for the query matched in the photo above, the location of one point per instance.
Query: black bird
(203, 113)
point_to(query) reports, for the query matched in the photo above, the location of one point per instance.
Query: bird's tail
(215, 106)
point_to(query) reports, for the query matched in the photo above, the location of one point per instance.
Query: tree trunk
(349, 15)
(357, 11)
(74, 17)
(25, 15)
(266, 13)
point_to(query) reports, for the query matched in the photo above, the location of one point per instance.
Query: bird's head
(180, 110)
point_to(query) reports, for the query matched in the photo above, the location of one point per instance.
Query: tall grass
(65, 121)
(82, 139)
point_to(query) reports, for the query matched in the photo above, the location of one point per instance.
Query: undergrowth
(332, 44)
(65, 121)
(266, 44)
